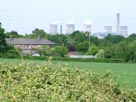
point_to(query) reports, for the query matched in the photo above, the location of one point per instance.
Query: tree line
(110, 47)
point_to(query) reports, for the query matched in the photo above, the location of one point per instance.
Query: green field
(125, 73)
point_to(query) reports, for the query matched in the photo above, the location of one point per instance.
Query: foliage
(113, 39)
(101, 54)
(131, 38)
(71, 48)
(3, 44)
(78, 37)
(82, 46)
(108, 53)
(58, 58)
(61, 39)
(36, 33)
(43, 51)
(60, 51)
(13, 34)
(132, 50)
(87, 60)
(48, 82)
(92, 50)
(10, 52)
(114, 46)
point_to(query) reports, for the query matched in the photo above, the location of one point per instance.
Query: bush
(92, 50)
(60, 51)
(101, 54)
(48, 82)
(10, 52)
(87, 59)
(73, 59)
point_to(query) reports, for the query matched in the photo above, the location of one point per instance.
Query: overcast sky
(24, 16)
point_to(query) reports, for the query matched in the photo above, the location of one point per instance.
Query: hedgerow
(53, 82)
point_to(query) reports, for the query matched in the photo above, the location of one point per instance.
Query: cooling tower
(53, 29)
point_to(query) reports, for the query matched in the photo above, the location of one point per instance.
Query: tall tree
(59, 38)
(13, 34)
(38, 31)
(3, 44)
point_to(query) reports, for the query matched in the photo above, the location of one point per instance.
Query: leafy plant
(53, 82)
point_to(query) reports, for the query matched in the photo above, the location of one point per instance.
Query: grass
(125, 72)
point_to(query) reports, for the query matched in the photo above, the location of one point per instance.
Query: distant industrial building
(124, 31)
(70, 28)
(108, 29)
(101, 35)
(53, 29)
(61, 29)
(118, 23)
(87, 26)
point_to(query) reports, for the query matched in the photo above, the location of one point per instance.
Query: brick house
(26, 45)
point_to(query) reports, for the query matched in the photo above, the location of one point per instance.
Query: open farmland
(125, 73)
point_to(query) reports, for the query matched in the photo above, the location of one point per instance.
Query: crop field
(124, 73)
(49, 81)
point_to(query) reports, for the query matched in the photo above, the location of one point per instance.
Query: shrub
(60, 51)
(52, 82)
(101, 54)
(10, 53)
(92, 50)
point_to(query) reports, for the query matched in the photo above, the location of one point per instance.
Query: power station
(108, 29)
(87, 25)
(121, 30)
(124, 31)
(61, 29)
(118, 23)
(53, 29)
(70, 28)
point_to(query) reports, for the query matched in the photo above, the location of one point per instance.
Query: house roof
(23, 41)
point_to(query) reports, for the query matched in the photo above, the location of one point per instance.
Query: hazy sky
(24, 16)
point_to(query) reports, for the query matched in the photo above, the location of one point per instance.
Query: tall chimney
(60, 29)
(118, 24)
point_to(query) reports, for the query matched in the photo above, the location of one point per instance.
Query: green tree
(13, 34)
(121, 51)
(108, 52)
(113, 39)
(39, 31)
(78, 37)
(43, 50)
(36, 32)
(3, 44)
(118, 51)
(59, 38)
(92, 50)
(101, 54)
(132, 50)
(131, 38)
(82, 46)
(60, 51)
